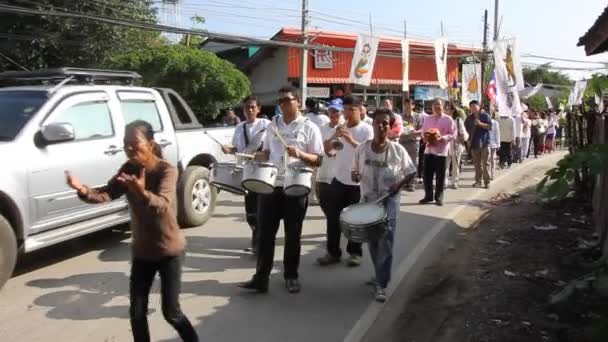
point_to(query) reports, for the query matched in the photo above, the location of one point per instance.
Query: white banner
(530, 91)
(506, 59)
(549, 104)
(405, 64)
(364, 59)
(318, 92)
(441, 61)
(471, 83)
(576, 95)
(507, 95)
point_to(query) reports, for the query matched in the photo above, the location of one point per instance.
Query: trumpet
(337, 144)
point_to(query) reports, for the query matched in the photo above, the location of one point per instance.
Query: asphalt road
(78, 291)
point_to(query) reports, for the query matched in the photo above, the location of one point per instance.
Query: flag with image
(441, 62)
(471, 83)
(364, 59)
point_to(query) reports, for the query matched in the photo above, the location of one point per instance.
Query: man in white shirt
(344, 191)
(248, 138)
(304, 145)
(364, 117)
(312, 112)
(383, 167)
(325, 172)
(507, 137)
(410, 138)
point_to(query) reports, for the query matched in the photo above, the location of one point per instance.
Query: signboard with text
(324, 59)
(318, 92)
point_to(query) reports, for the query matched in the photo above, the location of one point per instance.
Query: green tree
(206, 82)
(537, 102)
(38, 42)
(596, 84)
(546, 76)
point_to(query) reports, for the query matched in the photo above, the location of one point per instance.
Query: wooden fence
(583, 129)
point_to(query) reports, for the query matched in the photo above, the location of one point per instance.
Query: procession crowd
(357, 163)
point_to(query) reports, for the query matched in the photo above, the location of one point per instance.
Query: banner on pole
(364, 59)
(441, 61)
(576, 94)
(508, 77)
(405, 64)
(471, 83)
(549, 104)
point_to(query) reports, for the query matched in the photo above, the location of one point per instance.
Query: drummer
(344, 191)
(248, 138)
(383, 167)
(305, 146)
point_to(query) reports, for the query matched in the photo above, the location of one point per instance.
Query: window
(18, 107)
(181, 112)
(90, 120)
(142, 110)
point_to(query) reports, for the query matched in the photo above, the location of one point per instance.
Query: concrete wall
(269, 76)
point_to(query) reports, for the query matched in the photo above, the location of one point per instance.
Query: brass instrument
(337, 144)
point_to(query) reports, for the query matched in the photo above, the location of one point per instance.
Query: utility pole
(495, 20)
(406, 94)
(304, 80)
(484, 56)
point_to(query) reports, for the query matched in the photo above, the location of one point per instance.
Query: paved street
(78, 291)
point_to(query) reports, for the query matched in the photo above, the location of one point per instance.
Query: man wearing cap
(230, 119)
(344, 191)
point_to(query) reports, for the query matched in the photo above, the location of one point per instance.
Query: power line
(12, 61)
(561, 59)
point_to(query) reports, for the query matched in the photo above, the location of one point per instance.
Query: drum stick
(245, 155)
(276, 132)
(382, 198)
(216, 141)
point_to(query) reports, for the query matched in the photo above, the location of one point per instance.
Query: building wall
(270, 75)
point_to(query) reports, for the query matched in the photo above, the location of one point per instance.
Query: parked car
(47, 129)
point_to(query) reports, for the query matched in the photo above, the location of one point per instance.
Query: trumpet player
(343, 191)
(248, 138)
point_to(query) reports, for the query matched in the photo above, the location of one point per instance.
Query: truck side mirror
(57, 132)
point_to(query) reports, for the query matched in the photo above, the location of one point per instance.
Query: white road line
(371, 313)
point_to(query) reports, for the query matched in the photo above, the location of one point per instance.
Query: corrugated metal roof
(345, 80)
(595, 39)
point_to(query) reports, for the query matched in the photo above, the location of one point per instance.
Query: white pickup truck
(78, 125)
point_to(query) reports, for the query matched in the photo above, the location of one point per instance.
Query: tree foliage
(206, 82)
(537, 103)
(38, 42)
(596, 84)
(545, 76)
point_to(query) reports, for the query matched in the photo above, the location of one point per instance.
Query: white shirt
(379, 171)
(507, 129)
(495, 134)
(253, 129)
(318, 119)
(344, 157)
(518, 126)
(325, 171)
(526, 131)
(301, 133)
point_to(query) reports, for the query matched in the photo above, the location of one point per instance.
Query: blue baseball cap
(336, 104)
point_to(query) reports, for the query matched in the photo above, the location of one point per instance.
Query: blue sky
(542, 27)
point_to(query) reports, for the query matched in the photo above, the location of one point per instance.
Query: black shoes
(425, 201)
(292, 285)
(256, 284)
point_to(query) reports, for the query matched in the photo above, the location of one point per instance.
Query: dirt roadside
(493, 282)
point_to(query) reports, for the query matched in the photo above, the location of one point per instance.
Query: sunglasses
(285, 99)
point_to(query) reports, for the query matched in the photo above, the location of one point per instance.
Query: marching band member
(326, 170)
(304, 145)
(383, 167)
(344, 191)
(248, 138)
(149, 183)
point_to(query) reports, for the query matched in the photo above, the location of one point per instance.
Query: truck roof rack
(77, 75)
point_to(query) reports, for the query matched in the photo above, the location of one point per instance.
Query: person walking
(410, 139)
(382, 167)
(526, 135)
(149, 183)
(438, 130)
(478, 126)
(457, 146)
(494, 144)
(507, 137)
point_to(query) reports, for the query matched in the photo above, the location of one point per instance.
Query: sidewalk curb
(406, 272)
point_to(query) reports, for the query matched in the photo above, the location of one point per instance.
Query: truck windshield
(17, 107)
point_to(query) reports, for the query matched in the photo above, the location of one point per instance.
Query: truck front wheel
(196, 197)
(8, 251)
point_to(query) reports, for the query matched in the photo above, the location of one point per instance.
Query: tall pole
(304, 80)
(484, 56)
(406, 94)
(495, 20)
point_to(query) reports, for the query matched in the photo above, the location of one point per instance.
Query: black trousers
(536, 141)
(434, 167)
(339, 196)
(421, 160)
(272, 209)
(251, 212)
(505, 155)
(142, 276)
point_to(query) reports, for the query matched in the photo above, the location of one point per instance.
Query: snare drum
(259, 177)
(298, 180)
(228, 177)
(363, 222)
